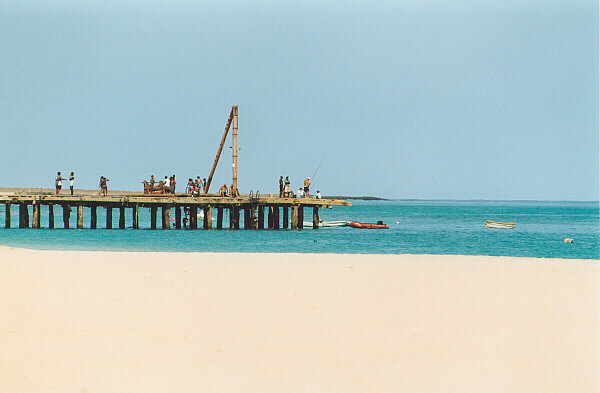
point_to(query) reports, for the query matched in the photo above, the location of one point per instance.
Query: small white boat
(499, 225)
(328, 224)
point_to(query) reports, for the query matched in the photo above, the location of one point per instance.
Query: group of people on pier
(195, 187)
(232, 192)
(166, 186)
(59, 179)
(303, 192)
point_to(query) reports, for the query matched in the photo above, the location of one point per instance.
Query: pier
(249, 209)
(247, 212)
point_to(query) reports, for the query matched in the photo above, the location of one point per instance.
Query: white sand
(167, 322)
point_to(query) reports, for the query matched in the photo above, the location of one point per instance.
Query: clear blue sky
(404, 99)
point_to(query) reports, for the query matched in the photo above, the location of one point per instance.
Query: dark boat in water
(365, 225)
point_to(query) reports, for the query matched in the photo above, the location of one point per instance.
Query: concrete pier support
(166, 217)
(193, 217)
(122, 217)
(7, 215)
(294, 217)
(177, 217)
(66, 215)
(79, 216)
(285, 217)
(300, 217)
(135, 216)
(93, 217)
(236, 217)
(23, 216)
(247, 217)
(315, 217)
(36, 216)
(261, 217)
(220, 218)
(275, 217)
(51, 216)
(270, 217)
(207, 218)
(153, 217)
(109, 217)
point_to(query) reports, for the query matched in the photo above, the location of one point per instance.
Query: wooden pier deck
(252, 207)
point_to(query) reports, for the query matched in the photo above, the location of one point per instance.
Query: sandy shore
(166, 322)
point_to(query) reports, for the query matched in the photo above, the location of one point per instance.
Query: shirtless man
(233, 192)
(223, 190)
(306, 185)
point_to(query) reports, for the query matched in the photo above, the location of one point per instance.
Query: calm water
(416, 227)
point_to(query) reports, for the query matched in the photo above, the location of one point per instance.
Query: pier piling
(236, 217)
(177, 217)
(135, 217)
(285, 217)
(122, 217)
(23, 216)
(79, 216)
(294, 217)
(193, 217)
(261, 217)
(51, 216)
(153, 217)
(253, 208)
(7, 215)
(207, 218)
(93, 217)
(66, 215)
(220, 218)
(166, 217)
(108, 217)
(36, 216)
(275, 217)
(247, 218)
(300, 217)
(270, 217)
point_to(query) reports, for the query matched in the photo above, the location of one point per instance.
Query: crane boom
(212, 171)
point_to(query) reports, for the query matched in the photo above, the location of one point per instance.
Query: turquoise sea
(416, 227)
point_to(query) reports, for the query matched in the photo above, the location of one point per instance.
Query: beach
(187, 322)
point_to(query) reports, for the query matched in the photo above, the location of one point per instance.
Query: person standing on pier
(72, 182)
(173, 184)
(280, 186)
(103, 186)
(167, 183)
(306, 186)
(58, 182)
(286, 188)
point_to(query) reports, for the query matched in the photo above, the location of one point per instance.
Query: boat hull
(364, 225)
(499, 225)
(328, 224)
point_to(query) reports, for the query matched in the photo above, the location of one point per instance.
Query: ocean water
(416, 227)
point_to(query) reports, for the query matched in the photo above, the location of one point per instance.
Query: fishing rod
(322, 159)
